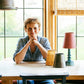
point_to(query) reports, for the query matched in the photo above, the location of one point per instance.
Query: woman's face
(32, 30)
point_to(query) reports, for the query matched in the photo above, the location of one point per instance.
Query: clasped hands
(33, 41)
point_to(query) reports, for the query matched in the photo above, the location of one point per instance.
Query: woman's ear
(39, 28)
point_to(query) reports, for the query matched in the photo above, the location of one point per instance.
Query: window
(11, 24)
(68, 16)
(71, 24)
(71, 19)
(66, 24)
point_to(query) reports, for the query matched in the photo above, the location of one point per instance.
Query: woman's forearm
(43, 50)
(21, 54)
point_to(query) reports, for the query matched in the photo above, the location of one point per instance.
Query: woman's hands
(33, 41)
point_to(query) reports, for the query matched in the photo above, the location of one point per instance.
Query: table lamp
(69, 42)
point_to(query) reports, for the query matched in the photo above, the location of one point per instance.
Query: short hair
(31, 20)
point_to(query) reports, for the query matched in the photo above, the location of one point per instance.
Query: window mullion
(76, 38)
(4, 34)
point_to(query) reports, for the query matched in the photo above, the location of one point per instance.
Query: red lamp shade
(69, 40)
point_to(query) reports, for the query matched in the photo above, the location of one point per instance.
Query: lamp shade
(6, 5)
(69, 40)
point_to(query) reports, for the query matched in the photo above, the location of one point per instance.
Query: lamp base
(69, 63)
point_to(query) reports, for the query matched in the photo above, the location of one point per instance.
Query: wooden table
(12, 71)
(76, 72)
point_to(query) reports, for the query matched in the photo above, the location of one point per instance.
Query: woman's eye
(35, 28)
(29, 29)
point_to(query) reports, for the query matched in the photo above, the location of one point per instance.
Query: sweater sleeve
(19, 47)
(45, 43)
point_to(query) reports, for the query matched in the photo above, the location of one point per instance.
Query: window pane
(33, 3)
(67, 4)
(80, 48)
(1, 48)
(66, 24)
(64, 50)
(14, 23)
(71, 4)
(18, 3)
(60, 46)
(80, 4)
(11, 44)
(37, 13)
(1, 23)
(80, 25)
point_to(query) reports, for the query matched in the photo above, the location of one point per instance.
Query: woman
(32, 47)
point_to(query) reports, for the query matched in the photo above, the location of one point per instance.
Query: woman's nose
(32, 30)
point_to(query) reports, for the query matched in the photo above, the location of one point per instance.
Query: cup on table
(50, 57)
(59, 61)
